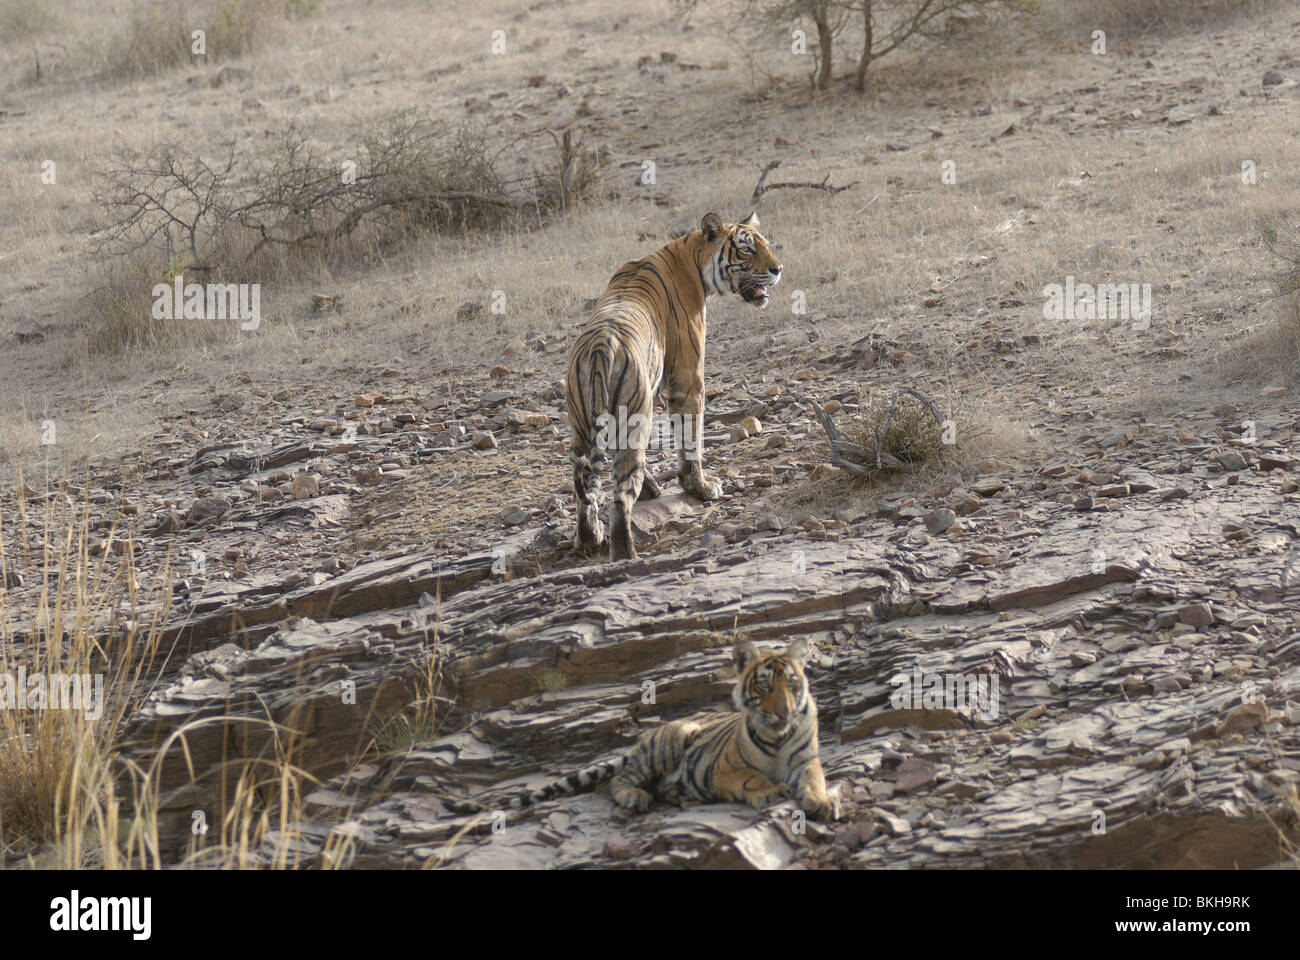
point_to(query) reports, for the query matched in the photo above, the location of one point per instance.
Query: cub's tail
(575, 782)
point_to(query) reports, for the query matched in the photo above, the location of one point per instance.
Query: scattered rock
(937, 521)
(304, 486)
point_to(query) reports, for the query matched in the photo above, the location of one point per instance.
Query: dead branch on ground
(763, 187)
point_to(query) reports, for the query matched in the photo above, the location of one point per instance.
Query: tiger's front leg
(811, 793)
(747, 785)
(686, 402)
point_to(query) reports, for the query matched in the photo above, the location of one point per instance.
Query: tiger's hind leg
(590, 533)
(629, 472)
(654, 763)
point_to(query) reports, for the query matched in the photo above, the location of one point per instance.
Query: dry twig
(763, 187)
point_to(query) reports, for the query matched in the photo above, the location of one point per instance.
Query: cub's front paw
(768, 797)
(820, 807)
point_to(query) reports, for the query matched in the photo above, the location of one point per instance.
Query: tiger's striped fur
(765, 751)
(646, 336)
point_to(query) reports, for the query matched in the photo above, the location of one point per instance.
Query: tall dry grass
(160, 33)
(70, 798)
(62, 800)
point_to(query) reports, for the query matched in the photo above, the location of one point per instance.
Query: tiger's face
(771, 688)
(742, 262)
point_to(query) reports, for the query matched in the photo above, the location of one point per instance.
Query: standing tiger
(646, 336)
(765, 751)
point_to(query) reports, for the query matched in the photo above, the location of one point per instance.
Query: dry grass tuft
(25, 19)
(1143, 16)
(902, 429)
(161, 34)
(1270, 354)
(68, 797)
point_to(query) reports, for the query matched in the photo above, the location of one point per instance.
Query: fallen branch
(763, 187)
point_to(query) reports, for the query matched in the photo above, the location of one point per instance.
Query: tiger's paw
(820, 807)
(672, 793)
(702, 486)
(632, 798)
(768, 797)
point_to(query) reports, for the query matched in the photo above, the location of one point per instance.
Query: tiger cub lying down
(759, 755)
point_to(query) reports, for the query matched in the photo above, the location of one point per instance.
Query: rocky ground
(1135, 598)
(1114, 535)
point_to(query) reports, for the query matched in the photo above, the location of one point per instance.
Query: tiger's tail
(602, 357)
(572, 783)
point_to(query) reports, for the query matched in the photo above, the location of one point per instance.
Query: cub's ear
(799, 651)
(744, 652)
(712, 227)
(751, 221)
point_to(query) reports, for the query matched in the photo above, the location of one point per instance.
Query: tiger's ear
(744, 652)
(751, 221)
(712, 227)
(799, 651)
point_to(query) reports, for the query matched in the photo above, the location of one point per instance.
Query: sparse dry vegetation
(171, 210)
(66, 801)
(1150, 17)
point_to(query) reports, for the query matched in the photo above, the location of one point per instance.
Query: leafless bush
(171, 209)
(867, 29)
(408, 172)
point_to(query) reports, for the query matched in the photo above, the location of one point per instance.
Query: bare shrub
(239, 215)
(866, 30)
(408, 171)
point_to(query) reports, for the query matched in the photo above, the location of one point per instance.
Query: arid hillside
(332, 541)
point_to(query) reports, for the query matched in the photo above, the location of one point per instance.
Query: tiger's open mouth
(756, 295)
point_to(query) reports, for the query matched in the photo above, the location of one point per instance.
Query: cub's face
(742, 263)
(771, 688)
